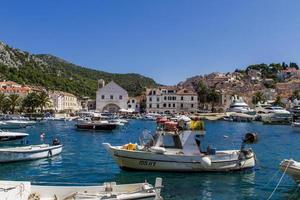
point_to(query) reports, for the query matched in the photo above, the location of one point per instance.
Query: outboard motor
(56, 142)
(250, 138)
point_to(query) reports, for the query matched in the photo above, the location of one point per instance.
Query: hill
(57, 74)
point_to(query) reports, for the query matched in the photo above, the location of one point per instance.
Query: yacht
(10, 136)
(239, 106)
(276, 115)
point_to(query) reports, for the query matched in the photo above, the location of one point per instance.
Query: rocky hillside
(57, 74)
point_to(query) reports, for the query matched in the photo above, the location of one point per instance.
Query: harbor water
(84, 161)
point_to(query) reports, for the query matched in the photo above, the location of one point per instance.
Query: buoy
(206, 161)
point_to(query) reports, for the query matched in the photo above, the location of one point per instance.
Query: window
(173, 105)
(120, 97)
(111, 97)
(169, 105)
(181, 105)
(154, 92)
(165, 98)
(192, 105)
(129, 106)
(150, 98)
(192, 98)
(132, 100)
(157, 105)
(181, 98)
(150, 105)
(174, 98)
(157, 99)
(164, 105)
(102, 97)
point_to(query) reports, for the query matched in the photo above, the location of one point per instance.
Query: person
(42, 137)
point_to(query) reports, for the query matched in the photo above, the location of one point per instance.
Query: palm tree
(258, 97)
(30, 102)
(13, 102)
(2, 101)
(278, 102)
(44, 100)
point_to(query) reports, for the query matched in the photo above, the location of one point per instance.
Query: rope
(279, 180)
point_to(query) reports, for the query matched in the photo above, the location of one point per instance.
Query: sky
(167, 40)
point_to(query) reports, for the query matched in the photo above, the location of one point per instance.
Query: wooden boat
(14, 190)
(10, 136)
(292, 168)
(32, 152)
(96, 125)
(172, 151)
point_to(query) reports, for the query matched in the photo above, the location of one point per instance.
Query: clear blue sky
(168, 40)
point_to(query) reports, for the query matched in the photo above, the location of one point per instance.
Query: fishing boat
(178, 151)
(32, 152)
(15, 190)
(9, 136)
(96, 125)
(292, 168)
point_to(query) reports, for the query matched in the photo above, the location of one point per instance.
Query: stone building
(64, 101)
(171, 99)
(111, 97)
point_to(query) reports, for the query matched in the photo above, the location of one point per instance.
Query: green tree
(44, 100)
(213, 97)
(278, 102)
(31, 102)
(202, 92)
(295, 95)
(13, 102)
(2, 101)
(258, 97)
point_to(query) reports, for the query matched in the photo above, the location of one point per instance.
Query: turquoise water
(85, 161)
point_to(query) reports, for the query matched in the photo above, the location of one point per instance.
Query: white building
(171, 100)
(133, 104)
(111, 97)
(63, 101)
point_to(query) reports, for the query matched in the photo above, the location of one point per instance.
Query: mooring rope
(279, 180)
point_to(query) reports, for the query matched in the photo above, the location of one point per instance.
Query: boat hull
(138, 160)
(292, 168)
(96, 127)
(16, 156)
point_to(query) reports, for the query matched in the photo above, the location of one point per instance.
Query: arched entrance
(111, 108)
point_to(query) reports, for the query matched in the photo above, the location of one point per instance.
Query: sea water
(84, 161)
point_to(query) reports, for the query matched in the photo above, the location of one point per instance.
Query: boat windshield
(169, 141)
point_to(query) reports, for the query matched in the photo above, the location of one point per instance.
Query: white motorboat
(171, 151)
(32, 152)
(276, 115)
(15, 190)
(15, 124)
(9, 136)
(239, 106)
(292, 168)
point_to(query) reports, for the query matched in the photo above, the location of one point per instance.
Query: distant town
(208, 93)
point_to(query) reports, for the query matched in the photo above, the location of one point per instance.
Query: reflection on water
(85, 161)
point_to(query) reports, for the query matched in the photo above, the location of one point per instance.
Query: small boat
(96, 125)
(15, 190)
(15, 124)
(9, 136)
(292, 168)
(32, 152)
(180, 152)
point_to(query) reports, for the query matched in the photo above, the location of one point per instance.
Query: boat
(239, 106)
(180, 152)
(96, 125)
(15, 124)
(17, 190)
(32, 152)
(276, 115)
(9, 136)
(292, 168)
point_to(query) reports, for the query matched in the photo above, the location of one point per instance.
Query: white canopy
(184, 118)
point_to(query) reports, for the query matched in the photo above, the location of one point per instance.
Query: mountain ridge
(55, 73)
